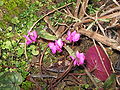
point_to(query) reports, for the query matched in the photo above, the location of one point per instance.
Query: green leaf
(10, 78)
(34, 52)
(44, 34)
(1, 3)
(9, 35)
(9, 87)
(108, 83)
(9, 28)
(70, 51)
(20, 51)
(7, 45)
(15, 20)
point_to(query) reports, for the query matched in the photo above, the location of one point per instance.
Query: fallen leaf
(98, 61)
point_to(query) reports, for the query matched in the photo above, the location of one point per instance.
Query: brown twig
(113, 15)
(83, 7)
(100, 38)
(116, 3)
(77, 8)
(76, 79)
(55, 82)
(90, 76)
(109, 11)
(41, 59)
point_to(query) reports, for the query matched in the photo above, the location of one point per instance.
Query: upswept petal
(69, 33)
(82, 58)
(59, 42)
(69, 37)
(52, 47)
(58, 48)
(72, 57)
(73, 37)
(79, 59)
(54, 50)
(73, 33)
(29, 41)
(76, 37)
(35, 34)
(75, 63)
(32, 36)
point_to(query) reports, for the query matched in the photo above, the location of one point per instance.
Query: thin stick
(41, 59)
(25, 50)
(90, 76)
(77, 8)
(103, 39)
(55, 82)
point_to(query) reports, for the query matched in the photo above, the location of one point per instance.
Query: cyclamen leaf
(99, 62)
(44, 34)
(10, 81)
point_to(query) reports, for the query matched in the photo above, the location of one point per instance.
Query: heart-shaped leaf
(98, 61)
(9, 87)
(44, 34)
(10, 81)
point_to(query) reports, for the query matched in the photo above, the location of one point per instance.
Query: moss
(12, 8)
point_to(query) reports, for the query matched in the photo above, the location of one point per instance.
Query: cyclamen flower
(31, 37)
(56, 46)
(73, 37)
(79, 59)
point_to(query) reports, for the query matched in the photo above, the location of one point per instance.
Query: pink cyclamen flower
(79, 59)
(31, 37)
(56, 46)
(73, 37)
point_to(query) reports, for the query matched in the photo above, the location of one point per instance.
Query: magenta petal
(59, 49)
(33, 38)
(59, 42)
(72, 57)
(73, 33)
(69, 37)
(35, 34)
(78, 54)
(69, 33)
(29, 41)
(53, 50)
(75, 63)
(52, 47)
(76, 37)
(80, 58)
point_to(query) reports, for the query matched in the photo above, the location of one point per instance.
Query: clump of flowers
(31, 37)
(56, 46)
(73, 37)
(79, 59)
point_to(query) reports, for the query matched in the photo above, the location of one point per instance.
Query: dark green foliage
(10, 81)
